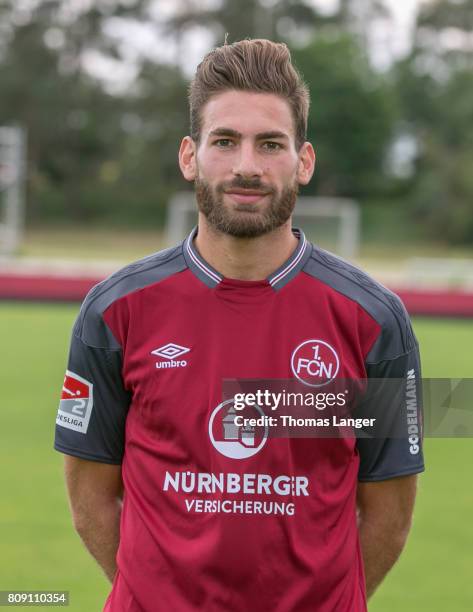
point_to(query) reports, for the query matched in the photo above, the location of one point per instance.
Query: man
(181, 510)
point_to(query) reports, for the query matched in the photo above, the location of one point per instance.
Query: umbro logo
(171, 352)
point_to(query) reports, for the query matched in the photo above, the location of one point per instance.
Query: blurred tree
(69, 122)
(92, 153)
(98, 152)
(244, 19)
(275, 19)
(88, 150)
(441, 14)
(435, 85)
(359, 16)
(351, 120)
(155, 120)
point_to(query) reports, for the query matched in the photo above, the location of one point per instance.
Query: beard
(245, 220)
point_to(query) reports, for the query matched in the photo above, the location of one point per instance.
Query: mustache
(242, 183)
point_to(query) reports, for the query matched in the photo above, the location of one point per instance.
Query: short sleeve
(92, 412)
(394, 399)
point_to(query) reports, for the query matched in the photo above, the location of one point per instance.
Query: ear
(187, 158)
(306, 164)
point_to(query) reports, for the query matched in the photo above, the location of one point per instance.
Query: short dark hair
(256, 65)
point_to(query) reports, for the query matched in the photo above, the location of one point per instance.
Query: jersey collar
(206, 273)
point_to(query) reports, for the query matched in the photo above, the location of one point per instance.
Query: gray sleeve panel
(96, 356)
(103, 439)
(393, 355)
(90, 326)
(382, 305)
(396, 446)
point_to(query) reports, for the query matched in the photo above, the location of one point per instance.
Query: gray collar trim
(278, 279)
(199, 266)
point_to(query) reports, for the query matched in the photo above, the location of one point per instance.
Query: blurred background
(92, 110)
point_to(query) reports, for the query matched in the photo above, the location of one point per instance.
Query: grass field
(41, 551)
(127, 245)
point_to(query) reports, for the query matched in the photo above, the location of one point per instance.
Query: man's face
(246, 168)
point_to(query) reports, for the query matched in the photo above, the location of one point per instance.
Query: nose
(246, 162)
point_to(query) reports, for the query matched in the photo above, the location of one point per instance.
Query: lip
(246, 196)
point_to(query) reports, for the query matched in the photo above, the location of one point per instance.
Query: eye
(223, 143)
(272, 146)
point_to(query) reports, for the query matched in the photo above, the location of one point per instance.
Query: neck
(245, 258)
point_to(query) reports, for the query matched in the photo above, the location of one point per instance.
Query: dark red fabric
(173, 557)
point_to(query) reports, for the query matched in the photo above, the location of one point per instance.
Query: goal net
(332, 223)
(12, 172)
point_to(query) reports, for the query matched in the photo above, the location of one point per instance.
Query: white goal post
(311, 214)
(12, 173)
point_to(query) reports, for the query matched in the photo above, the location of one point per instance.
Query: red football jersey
(214, 517)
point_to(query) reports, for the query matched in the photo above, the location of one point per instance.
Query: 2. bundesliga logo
(76, 403)
(315, 363)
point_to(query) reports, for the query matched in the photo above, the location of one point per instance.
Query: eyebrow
(261, 136)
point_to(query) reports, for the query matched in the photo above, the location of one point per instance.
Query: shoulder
(89, 326)
(381, 304)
